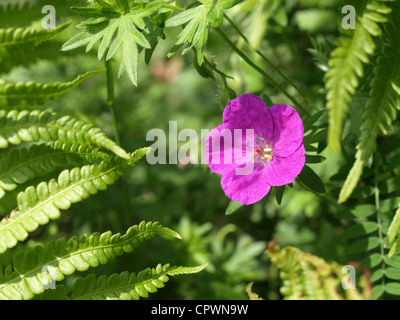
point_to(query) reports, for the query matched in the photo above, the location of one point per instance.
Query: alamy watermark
(349, 20)
(49, 21)
(237, 146)
(349, 280)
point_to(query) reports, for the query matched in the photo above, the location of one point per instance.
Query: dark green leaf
(233, 206)
(311, 180)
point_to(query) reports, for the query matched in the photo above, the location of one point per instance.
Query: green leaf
(198, 20)
(117, 34)
(393, 273)
(33, 93)
(279, 194)
(311, 180)
(24, 164)
(15, 38)
(125, 286)
(372, 260)
(351, 53)
(382, 107)
(17, 127)
(393, 288)
(376, 275)
(233, 206)
(390, 185)
(394, 228)
(377, 291)
(393, 261)
(35, 267)
(360, 229)
(362, 245)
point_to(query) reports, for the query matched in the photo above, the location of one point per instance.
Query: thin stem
(234, 26)
(176, 8)
(111, 101)
(259, 70)
(378, 219)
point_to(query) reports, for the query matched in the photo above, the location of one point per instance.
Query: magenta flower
(268, 141)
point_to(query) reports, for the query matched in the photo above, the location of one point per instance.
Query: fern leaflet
(351, 53)
(125, 286)
(36, 267)
(36, 206)
(32, 93)
(308, 277)
(384, 102)
(28, 126)
(24, 164)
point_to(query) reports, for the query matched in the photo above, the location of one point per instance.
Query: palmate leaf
(352, 52)
(37, 205)
(29, 126)
(198, 20)
(117, 32)
(21, 165)
(383, 104)
(33, 93)
(36, 267)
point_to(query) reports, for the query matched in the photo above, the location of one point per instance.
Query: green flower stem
(378, 219)
(287, 79)
(176, 8)
(259, 70)
(111, 101)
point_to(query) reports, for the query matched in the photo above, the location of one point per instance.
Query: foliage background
(297, 36)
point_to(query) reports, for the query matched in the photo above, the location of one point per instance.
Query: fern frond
(29, 36)
(383, 104)
(33, 93)
(36, 267)
(394, 233)
(251, 294)
(28, 126)
(36, 206)
(24, 164)
(346, 64)
(308, 277)
(125, 286)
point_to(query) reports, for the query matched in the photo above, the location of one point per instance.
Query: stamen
(263, 151)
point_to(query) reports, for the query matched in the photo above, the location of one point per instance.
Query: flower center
(262, 150)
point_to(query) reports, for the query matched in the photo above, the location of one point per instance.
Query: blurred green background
(297, 37)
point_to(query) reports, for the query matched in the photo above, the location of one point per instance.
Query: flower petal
(281, 171)
(249, 112)
(225, 147)
(288, 130)
(246, 189)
